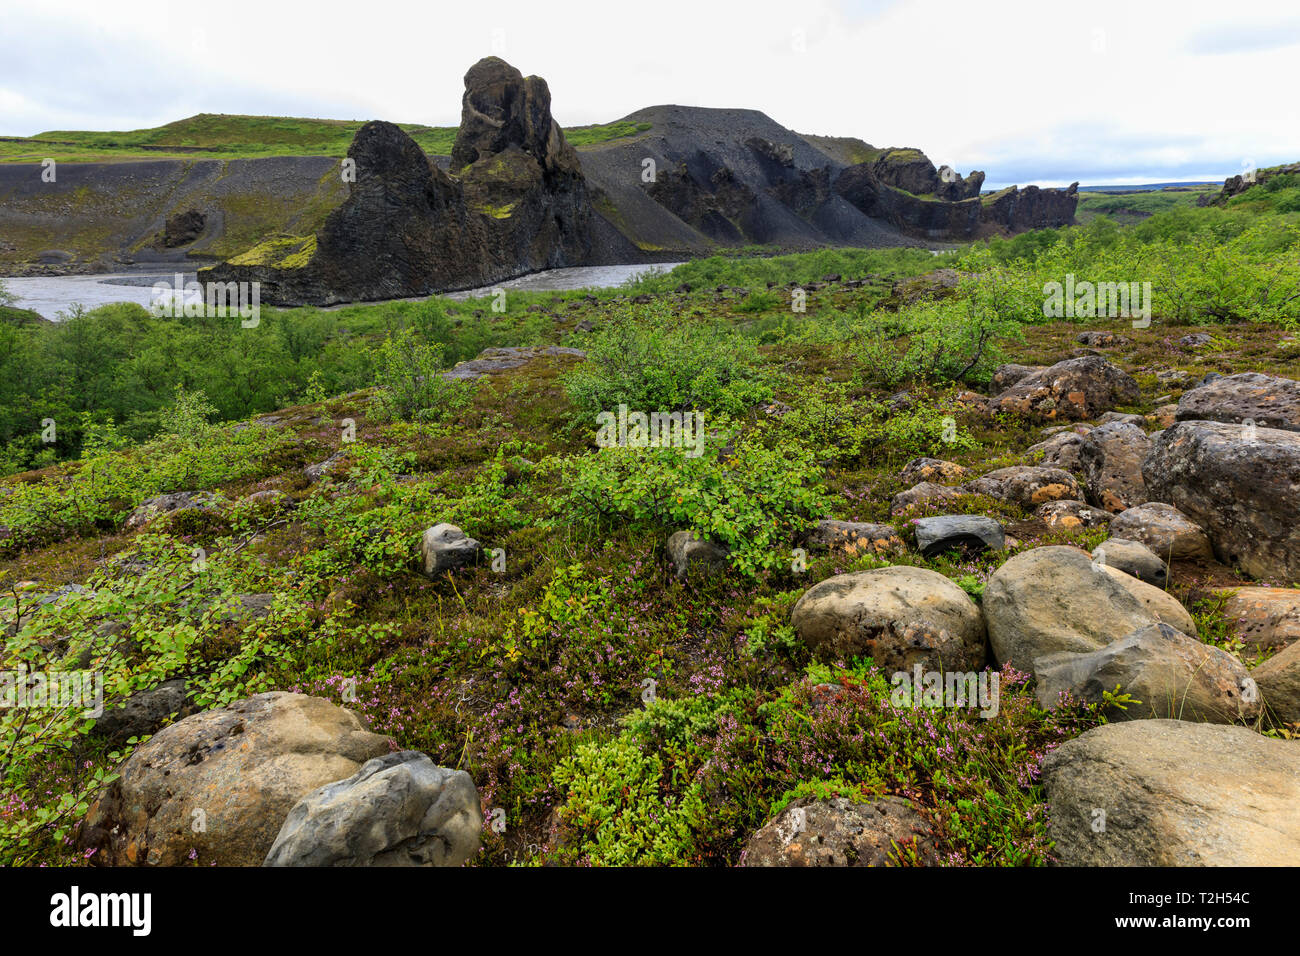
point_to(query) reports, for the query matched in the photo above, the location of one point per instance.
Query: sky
(1031, 92)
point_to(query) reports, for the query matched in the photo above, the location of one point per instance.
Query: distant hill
(1150, 187)
(233, 136)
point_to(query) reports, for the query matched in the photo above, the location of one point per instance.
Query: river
(55, 296)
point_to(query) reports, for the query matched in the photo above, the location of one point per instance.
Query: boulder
(1174, 793)
(899, 616)
(1063, 449)
(1132, 557)
(445, 547)
(143, 713)
(222, 782)
(1111, 457)
(397, 810)
(1241, 485)
(320, 469)
(1005, 376)
(1278, 682)
(270, 498)
(1164, 529)
(1268, 400)
(1055, 599)
(923, 497)
(1264, 617)
(1076, 389)
(968, 533)
(1026, 485)
(854, 536)
(494, 361)
(1068, 515)
(177, 501)
(1113, 417)
(1163, 417)
(690, 553)
(1167, 673)
(840, 832)
(1100, 339)
(932, 469)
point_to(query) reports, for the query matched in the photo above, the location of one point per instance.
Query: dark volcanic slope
(725, 176)
(101, 215)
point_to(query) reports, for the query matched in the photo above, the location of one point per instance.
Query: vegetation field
(531, 673)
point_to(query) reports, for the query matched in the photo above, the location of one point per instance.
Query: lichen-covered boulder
(899, 616)
(220, 783)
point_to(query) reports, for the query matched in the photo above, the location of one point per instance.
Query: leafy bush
(618, 810)
(412, 387)
(826, 423)
(647, 360)
(752, 501)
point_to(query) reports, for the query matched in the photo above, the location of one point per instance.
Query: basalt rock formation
(904, 188)
(1017, 209)
(516, 203)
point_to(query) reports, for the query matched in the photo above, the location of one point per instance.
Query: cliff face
(517, 203)
(1031, 208)
(904, 188)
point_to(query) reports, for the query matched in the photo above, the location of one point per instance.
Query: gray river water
(54, 296)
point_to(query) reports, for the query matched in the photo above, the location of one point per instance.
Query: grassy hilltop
(229, 136)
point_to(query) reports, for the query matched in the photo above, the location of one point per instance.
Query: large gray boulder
(222, 782)
(169, 504)
(1111, 457)
(397, 810)
(1067, 515)
(899, 616)
(1169, 673)
(924, 497)
(1242, 485)
(839, 832)
(1028, 486)
(1063, 449)
(1132, 557)
(855, 536)
(931, 469)
(1174, 793)
(1165, 530)
(1073, 390)
(1056, 599)
(968, 533)
(1263, 617)
(1270, 401)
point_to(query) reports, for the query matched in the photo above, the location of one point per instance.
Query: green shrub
(620, 810)
(648, 360)
(752, 502)
(412, 387)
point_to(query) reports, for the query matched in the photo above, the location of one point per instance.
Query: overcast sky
(1045, 92)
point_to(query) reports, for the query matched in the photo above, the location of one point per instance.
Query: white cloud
(1027, 91)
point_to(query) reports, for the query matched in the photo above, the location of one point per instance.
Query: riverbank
(56, 297)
